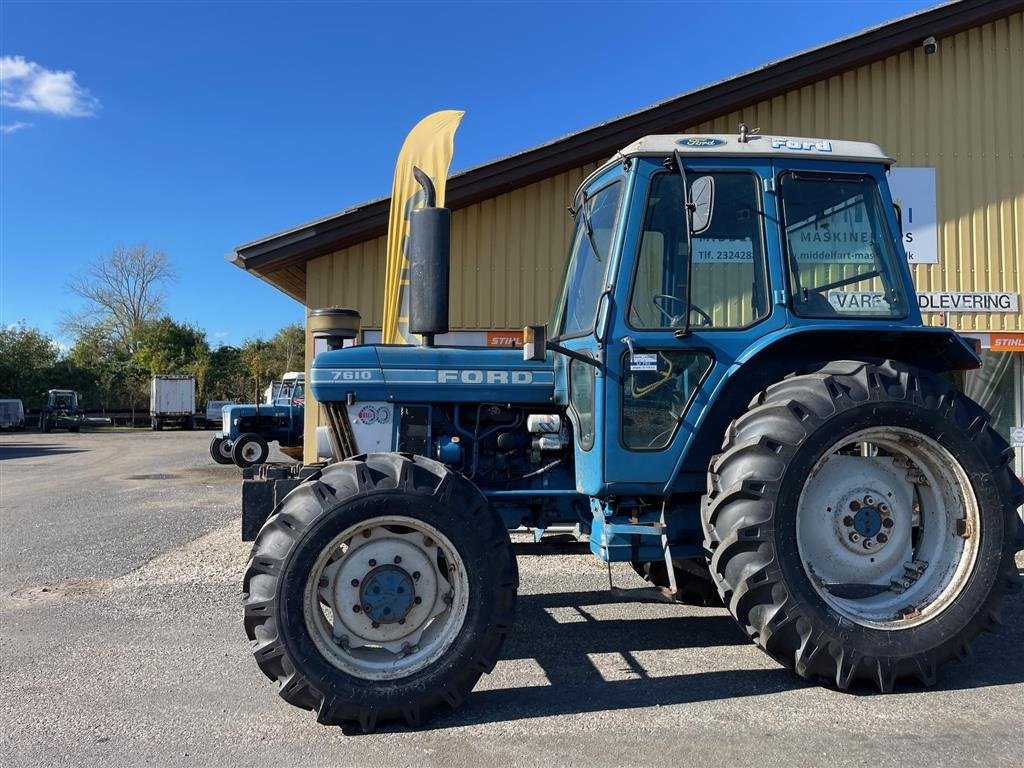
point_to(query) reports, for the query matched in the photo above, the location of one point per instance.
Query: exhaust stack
(429, 264)
(334, 324)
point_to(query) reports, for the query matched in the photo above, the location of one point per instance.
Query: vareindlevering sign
(977, 303)
(969, 302)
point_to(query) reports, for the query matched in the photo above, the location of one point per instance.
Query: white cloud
(14, 127)
(29, 86)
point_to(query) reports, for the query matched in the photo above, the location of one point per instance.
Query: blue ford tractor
(247, 430)
(736, 395)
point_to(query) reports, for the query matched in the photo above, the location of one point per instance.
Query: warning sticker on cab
(643, 362)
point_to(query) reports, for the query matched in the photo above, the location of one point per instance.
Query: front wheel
(249, 449)
(381, 588)
(862, 523)
(220, 450)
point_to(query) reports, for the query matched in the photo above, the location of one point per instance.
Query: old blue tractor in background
(736, 395)
(248, 429)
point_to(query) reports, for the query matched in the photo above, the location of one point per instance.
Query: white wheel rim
(888, 528)
(224, 448)
(251, 451)
(395, 552)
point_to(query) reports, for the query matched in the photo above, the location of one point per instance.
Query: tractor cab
(62, 400)
(690, 256)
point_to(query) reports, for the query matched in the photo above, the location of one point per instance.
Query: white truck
(12, 415)
(172, 400)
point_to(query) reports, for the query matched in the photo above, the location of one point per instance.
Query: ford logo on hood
(701, 141)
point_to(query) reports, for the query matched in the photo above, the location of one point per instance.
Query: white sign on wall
(968, 302)
(913, 190)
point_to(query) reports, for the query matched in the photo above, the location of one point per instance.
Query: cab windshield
(576, 310)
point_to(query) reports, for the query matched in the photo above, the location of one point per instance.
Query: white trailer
(172, 400)
(12, 415)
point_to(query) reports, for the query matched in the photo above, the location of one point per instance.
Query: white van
(12, 415)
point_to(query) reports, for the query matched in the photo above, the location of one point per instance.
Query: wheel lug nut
(882, 538)
(416, 575)
(356, 609)
(868, 543)
(372, 562)
(887, 523)
(375, 624)
(848, 521)
(869, 501)
(418, 600)
(854, 537)
(398, 559)
(366, 607)
(401, 621)
(355, 582)
(854, 505)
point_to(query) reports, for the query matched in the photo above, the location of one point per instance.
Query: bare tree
(122, 291)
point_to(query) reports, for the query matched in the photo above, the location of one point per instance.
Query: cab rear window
(842, 261)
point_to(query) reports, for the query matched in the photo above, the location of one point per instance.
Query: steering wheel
(676, 321)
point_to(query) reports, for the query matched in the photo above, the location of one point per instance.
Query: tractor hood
(407, 374)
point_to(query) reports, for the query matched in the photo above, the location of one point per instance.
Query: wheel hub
(387, 594)
(868, 522)
(386, 597)
(879, 534)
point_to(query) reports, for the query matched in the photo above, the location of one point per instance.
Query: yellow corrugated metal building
(957, 108)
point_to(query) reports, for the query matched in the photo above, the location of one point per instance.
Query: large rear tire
(381, 588)
(862, 523)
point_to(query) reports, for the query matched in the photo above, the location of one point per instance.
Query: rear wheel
(381, 588)
(249, 449)
(220, 450)
(863, 523)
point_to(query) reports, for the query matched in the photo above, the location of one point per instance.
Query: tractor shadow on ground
(575, 685)
(34, 450)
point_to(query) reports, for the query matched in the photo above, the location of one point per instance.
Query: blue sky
(195, 127)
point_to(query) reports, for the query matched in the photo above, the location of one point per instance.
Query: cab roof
(729, 145)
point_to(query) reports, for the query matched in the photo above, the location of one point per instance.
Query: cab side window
(727, 270)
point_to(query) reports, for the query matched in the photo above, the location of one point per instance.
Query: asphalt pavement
(121, 643)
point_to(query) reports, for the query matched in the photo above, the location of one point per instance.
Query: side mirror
(899, 215)
(702, 198)
(535, 343)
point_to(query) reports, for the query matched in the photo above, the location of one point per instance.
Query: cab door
(686, 305)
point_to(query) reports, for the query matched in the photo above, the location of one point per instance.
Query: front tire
(321, 628)
(220, 450)
(862, 523)
(249, 449)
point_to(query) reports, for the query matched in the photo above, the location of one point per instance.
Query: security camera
(930, 45)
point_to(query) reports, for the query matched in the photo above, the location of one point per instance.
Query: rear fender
(792, 350)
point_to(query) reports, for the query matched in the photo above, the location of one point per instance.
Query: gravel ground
(122, 644)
